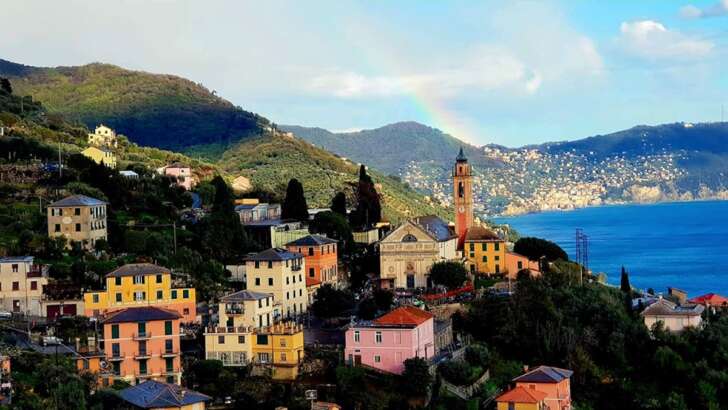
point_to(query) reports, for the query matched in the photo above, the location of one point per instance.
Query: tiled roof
(312, 240)
(544, 374)
(478, 233)
(404, 316)
(245, 295)
(77, 200)
(274, 254)
(711, 299)
(134, 269)
(522, 395)
(435, 226)
(664, 307)
(153, 394)
(177, 165)
(10, 259)
(141, 314)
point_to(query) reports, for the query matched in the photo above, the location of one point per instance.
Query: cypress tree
(624, 285)
(294, 205)
(338, 204)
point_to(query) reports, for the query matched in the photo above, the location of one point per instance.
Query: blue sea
(678, 244)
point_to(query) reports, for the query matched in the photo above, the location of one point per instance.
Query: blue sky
(508, 72)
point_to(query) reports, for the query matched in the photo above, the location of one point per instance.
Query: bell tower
(462, 182)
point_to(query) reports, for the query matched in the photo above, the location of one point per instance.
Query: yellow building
(485, 251)
(100, 156)
(141, 284)
(103, 136)
(239, 314)
(280, 349)
(280, 272)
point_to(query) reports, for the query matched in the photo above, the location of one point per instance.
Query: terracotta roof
(312, 281)
(77, 200)
(312, 240)
(154, 394)
(664, 307)
(141, 314)
(544, 374)
(404, 316)
(522, 395)
(711, 299)
(478, 233)
(274, 254)
(135, 269)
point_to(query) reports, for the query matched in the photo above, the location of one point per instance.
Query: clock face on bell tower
(462, 195)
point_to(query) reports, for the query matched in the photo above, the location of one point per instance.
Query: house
(522, 399)
(79, 218)
(92, 360)
(143, 343)
(312, 286)
(321, 255)
(101, 156)
(386, 342)
(180, 173)
(710, 300)
(141, 284)
(484, 251)
(674, 317)
(129, 174)
(21, 285)
(275, 232)
(407, 253)
(516, 263)
(103, 136)
(279, 348)
(252, 210)
(156, 395)
(279, 272)
(543, 388)
(239, 314)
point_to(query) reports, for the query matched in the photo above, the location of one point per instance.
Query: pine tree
(294, 205)
(624, 285)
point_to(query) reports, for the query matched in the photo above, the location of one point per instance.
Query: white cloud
(651, 40)
(715, 10)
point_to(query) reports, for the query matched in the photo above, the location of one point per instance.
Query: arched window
(409, 238)
(461, 190)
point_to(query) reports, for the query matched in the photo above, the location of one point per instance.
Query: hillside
(158, 110)
(390, 148)
(272, 160)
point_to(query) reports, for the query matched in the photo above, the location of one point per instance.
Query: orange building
(91, 360)
(321, 257)
(516, 262)
(143, 343)
(545, 384)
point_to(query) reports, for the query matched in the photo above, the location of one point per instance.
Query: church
(408, 252)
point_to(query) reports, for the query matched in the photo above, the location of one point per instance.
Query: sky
(507, 72)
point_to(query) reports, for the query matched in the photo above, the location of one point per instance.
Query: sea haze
(680, 244)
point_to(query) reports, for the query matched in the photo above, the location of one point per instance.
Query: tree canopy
(449, 274)
(536, 248)
(294, 205)
(368, 209)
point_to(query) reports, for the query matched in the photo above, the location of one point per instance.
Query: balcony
(228, 329)
(235, 309)
(142, 355)
(169, 353)
(296, 268)
(142, 336)
(116, 357)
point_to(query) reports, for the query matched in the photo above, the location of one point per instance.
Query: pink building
(388, 341)
(181, 172)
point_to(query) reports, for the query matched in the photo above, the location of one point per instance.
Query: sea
(677, 244)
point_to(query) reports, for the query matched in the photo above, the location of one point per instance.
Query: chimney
(78, 344)
(525, 368)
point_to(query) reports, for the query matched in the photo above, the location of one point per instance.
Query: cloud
(715, 10)
(651, 40)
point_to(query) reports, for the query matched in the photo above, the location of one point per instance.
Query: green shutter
(168, 327)
(114, 331)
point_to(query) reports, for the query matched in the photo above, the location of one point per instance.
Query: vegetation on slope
(157, 110)
(272, 160)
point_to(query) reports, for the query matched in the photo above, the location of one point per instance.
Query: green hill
(271, 161)
(158, 110)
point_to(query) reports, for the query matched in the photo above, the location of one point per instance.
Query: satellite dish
(103, 364)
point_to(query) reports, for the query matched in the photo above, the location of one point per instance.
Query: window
(139, 279)
(485, 258)
(77, 211)
(15, 268)
(241, 339)
(186, 311)
(160, 295)
(262, 339)
(378, 337)
(288, 280)
(221, 340)
(472, 247)
(169, 364)
(511, 406)
(497, 257)
(33, 285)
(257, 281)
(16, 285)
(168, 327)
(520, 265)
(287, 295)
(311, 272)
(142, 348)
(310, 251)
(142, 328)
(283, 342)
(95, 298)
(497, 268)
(114, 331)
(78, 227)
(257, 264)
(263, 357)
(185, 293)
(142, 367)
(496, 246)
(270, 264)
(174, 294)
(484, 246)
(168, 346)
(140, 296)
(117, 281)
(58, 227)
(283, 357)
(300, 278)
(159, 278)
(115, 350)
(270, 281)
(118, 298)
(357, 336)
(377, 359)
